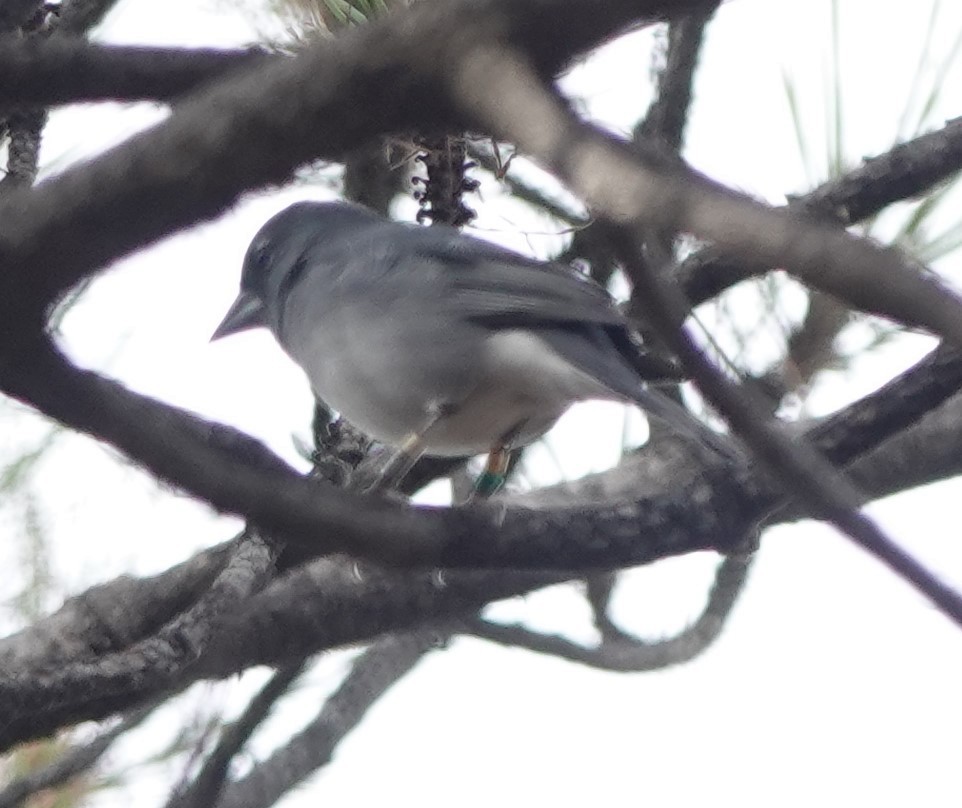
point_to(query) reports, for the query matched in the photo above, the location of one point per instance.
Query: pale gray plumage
(416, 331)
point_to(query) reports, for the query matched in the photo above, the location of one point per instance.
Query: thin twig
(668, 114)
(373, 673)
(24, 130)
(206, 787)
(626, 654)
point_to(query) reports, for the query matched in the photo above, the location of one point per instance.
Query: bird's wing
(496, 286)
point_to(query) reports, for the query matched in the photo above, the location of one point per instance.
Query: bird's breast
(464, 388)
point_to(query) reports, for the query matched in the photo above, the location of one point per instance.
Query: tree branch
(333, 602)
(622, 652)
(256, 127)
(66, 70)
(663, 127)
(24, 130)
(112, 616)
(594, 163)
(668, 114)
(207, 786)
(907, 170)
(75, 761)
(630, 187)
(151, 664)
(235, 473)
(94, 621)
(374, 672)
(15, 14)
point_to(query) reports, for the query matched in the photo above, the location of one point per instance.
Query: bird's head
(278, 254)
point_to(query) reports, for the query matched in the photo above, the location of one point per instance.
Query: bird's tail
(675, 416)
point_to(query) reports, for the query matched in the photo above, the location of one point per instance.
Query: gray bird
(435, 342)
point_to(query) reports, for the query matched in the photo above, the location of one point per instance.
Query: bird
(435, 342)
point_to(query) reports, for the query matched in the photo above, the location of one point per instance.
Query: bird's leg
(398, 464)
(408, 453)
(491, 480)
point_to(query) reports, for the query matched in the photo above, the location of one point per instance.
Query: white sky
(833, 683)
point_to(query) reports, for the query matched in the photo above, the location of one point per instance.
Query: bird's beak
(247, 311)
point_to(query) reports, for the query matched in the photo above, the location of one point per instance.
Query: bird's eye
(256, 264)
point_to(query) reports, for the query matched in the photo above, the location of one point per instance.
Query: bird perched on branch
(435, 342)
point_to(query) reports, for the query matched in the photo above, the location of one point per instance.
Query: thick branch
(15, 14)
(906, 171)
(94, 620)
(504, 95)
(112, 616)
(251, 130)
(64, 70)
(150, 665)
(237, 474)
(333, 602)
(183, 452)
(600, 167)
(255, 128)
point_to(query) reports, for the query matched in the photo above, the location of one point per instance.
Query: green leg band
(488, 483)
